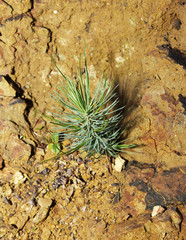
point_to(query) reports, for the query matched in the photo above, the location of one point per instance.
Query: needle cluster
(92, 123)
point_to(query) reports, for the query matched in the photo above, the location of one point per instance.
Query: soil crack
(29, 105)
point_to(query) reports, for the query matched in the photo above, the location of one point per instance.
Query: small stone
(18, 178)
(41, 215)
(8, 191)
(157, 210)
(119, 163)
(45, 202)
(176, 218)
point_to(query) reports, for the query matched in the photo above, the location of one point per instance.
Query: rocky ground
(73, 197)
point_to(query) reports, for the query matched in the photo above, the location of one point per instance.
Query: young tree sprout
(92, 123)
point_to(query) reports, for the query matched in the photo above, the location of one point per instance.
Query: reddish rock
(165, 224)
(171, 185)
(160, 188)
(145, 187)
(128, 229)
(17, 150)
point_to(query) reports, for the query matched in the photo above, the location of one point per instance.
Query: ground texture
(142, 44)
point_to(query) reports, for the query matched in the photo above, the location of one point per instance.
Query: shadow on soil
(129, 96)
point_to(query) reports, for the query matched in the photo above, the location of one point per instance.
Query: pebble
(8, 190)
(41, 215)
(176, 217)
(18, 178)
(157, 210)
(45, 204)
(119, 164)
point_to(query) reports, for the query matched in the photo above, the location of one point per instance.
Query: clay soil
(142, 45)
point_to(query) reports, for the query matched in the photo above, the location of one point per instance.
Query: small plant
(91, 122)
(54, 145)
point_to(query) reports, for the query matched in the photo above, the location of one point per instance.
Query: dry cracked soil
(142, 44)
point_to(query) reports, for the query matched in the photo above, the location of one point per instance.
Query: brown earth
(142, 43)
